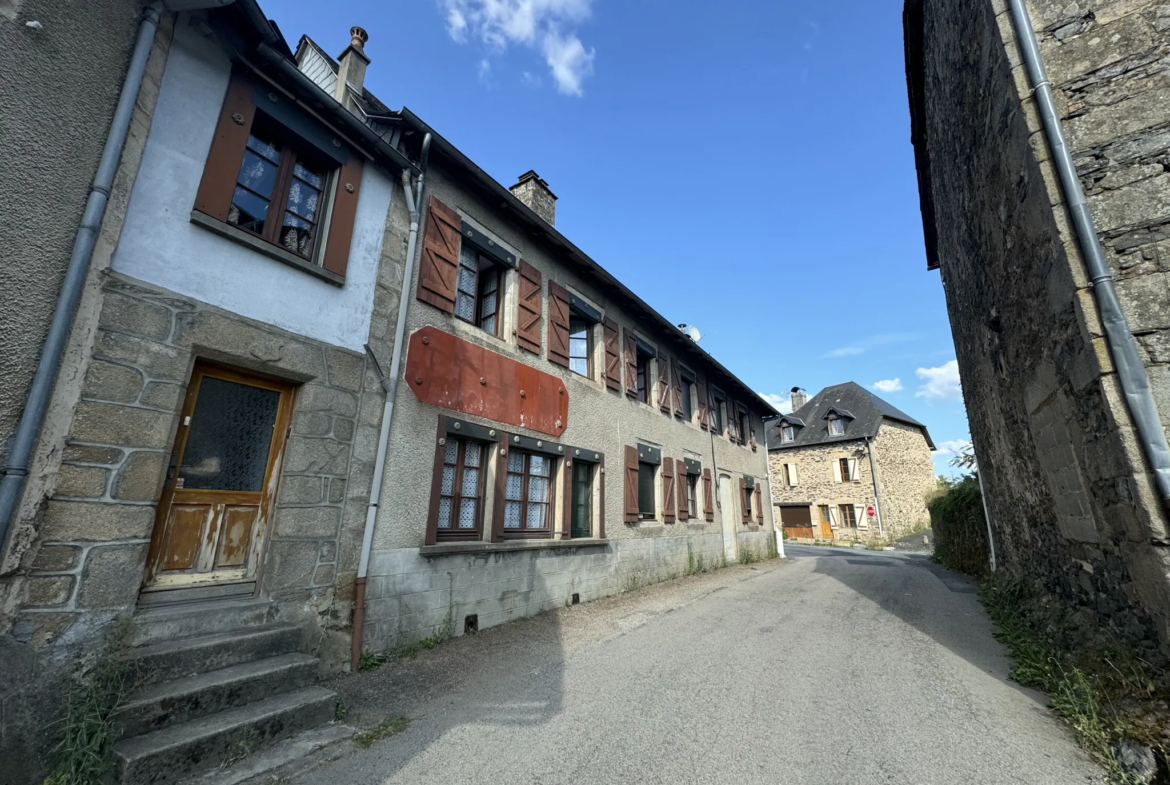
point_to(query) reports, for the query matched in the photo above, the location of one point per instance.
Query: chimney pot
(358, 37)
(534, 192)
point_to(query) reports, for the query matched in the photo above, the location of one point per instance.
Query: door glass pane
(581, 498)
(230, 437)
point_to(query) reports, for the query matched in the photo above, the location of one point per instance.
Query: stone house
(843, 454)
(1041, 143)
(205, 462)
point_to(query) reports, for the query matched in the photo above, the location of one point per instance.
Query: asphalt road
(834, 667)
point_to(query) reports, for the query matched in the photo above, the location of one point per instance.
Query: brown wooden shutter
(529, 308)
(630, 490)
(663, 384)
(668, 490)
(684, 511)
(704, 412)
(500, 451)
(708, 496)
(743, 502)
(759, 504)
(342, 217)
(631, 358)
(601, 499)
(567, 499)
(436, 483)
(227, 150)
(676, 388)
(558, 324)
(733, 423)
(613, 360)
(440, 256)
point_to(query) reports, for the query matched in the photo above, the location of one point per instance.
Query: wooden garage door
(797, 520)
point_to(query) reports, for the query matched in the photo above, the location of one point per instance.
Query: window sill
(238, 235)
(456, 548)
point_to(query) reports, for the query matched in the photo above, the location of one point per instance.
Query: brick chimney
(534, 192)
(352, 66)
(799, 398)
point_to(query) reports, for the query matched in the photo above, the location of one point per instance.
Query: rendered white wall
(160, 245)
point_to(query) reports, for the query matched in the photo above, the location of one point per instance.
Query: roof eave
(912, 24)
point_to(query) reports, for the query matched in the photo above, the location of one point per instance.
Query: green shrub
(960, 530)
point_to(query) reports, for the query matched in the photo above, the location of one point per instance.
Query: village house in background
(219, 422)
(1041, 142)
(843, 454)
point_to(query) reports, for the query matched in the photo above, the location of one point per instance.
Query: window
(688, 384)
(790, 474)
(747, 503)
(646, 505)
(279, 192)
(643, 360)
(580, 344)
(836, 426)
(693, 495)
(581, 524)
(477, 296)
(461, 491)
(787, 433)
(528, 494)
(848, 516)
(845, 475)
(717, 414)
(745, 427)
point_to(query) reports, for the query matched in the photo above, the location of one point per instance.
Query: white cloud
(529, 79)
(952, 447)
(543, 25)
(485, 71)
(941, 383)
(869, 343)
(782, 403)
(888, 385)
(844, 351)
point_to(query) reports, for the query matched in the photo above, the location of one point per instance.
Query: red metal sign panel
(455, 374)
(870, 511)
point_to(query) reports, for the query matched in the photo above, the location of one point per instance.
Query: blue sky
(744, 166)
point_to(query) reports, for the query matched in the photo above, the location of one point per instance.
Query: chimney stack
(352, 66)
(534, 192)
(799, 398)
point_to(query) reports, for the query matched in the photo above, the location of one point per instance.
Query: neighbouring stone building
(205, 465)
(1072, 500)
(843, 453)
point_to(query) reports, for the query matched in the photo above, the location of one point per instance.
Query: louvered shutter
(631, 361)
(759, 503)
(708, 496)
(743, 501)
(613, 361)
(834, 521)
(558, 324)
(860, 516)
(529, 308)
(668, 490)
(732, 423)
(630, 494)
(854, 475)
(836, 466)
(704, 414)
(683, 481)
(663, 384)
(227, 150)
(676, 388)
(343, 216)
(440, 256)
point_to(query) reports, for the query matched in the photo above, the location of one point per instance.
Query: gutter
(1131, 372)
(877, 499)
(32, 417)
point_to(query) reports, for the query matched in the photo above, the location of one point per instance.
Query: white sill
(238, 235)
(454, 548)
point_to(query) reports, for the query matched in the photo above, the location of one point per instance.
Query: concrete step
(178, 659)
(166, 755)
(159, 706)
(210, 617)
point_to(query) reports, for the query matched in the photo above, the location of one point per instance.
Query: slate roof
(867, 411)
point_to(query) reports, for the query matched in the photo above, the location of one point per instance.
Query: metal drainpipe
(390, 386)
(877, 499)
(1131, 373)
(25, 437)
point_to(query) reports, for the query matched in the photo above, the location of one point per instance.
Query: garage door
(797, 520)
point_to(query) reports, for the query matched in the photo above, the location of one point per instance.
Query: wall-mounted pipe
(390, 387)
(27, 429)
(1131, 372)
(877, 499)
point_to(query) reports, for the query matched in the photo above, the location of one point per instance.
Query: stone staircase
(214, 696)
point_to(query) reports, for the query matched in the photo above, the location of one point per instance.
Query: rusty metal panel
(455, 374)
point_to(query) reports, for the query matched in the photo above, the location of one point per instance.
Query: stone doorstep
(177, 659)
(281, 754)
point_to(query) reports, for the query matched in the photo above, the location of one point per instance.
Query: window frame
(835, 423)
(848, 521)
(844, 464)
(454, 533)
(747, 504)
(718, 425)
(693, 496)
(644, 381)
(485, 264)
(525, 533)
(576, 315)
(787, 434)
(687, 383)
(574, 488)
(652, 514)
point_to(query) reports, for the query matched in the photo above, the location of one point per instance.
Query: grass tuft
(383, 730)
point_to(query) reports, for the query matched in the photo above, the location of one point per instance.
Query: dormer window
(787, 434)
(836, 426)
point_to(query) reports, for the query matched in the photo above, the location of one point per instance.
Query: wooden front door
(213, 515)
(823, 512)
(796, 520)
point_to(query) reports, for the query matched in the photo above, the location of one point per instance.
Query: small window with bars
(478, 290)
(528, 495)
(461, 491)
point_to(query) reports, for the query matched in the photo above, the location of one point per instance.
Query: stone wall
(905, 473)
(1071, 503)
(816, 484)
